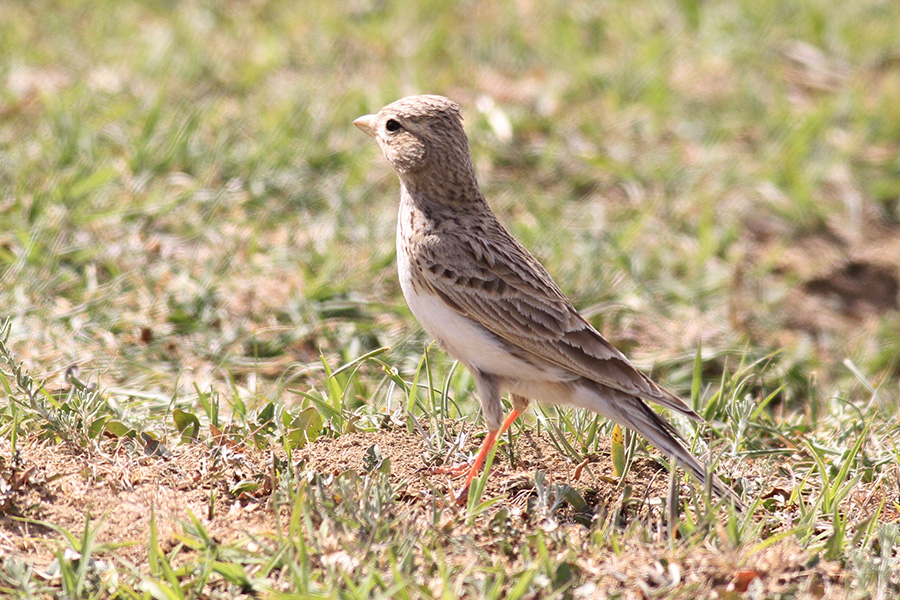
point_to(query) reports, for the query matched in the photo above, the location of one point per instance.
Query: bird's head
(418, 133)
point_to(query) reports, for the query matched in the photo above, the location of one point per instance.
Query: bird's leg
(489, 441)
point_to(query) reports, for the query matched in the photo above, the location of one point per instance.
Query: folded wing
(508, 292)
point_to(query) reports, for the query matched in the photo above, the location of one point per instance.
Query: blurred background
(184, 201)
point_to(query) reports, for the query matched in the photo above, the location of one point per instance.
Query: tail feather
(637, 415)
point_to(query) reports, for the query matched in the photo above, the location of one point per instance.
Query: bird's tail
(646, 421)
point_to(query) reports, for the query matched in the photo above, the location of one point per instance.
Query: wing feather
(508, 292)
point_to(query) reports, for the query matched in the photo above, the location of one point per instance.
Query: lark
(490, 304)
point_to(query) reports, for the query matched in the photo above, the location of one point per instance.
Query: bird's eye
(392, 125)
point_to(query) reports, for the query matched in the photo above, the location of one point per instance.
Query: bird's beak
(366, 123)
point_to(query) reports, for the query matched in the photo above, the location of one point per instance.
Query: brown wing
(506, 290)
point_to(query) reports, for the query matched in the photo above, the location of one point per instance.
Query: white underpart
(462, 338)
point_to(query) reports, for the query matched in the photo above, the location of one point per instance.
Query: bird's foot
(453, 498)
(457, 470)
(461, 496)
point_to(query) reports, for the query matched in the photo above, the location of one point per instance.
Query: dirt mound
(513, 474)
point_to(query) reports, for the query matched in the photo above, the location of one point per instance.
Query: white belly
(465, 340)
(462, 338)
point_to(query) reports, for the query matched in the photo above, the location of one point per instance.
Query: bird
(491, 305)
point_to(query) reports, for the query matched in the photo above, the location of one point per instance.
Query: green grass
(188, 218)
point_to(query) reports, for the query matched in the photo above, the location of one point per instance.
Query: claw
(457, 470)
(461, 497)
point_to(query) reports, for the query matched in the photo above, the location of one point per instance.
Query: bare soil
(835, 291)
(120, 491)
(120, 488)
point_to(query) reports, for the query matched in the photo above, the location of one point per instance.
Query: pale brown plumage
(489, 302)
